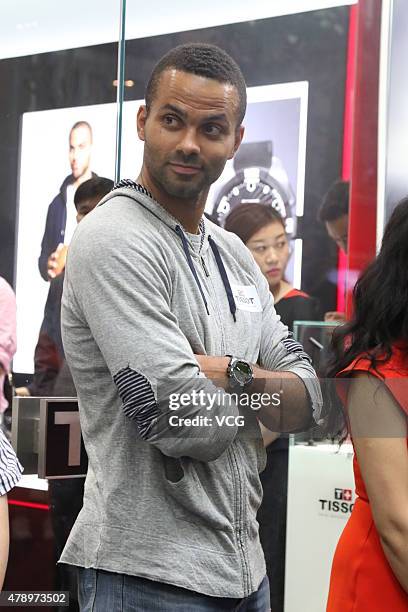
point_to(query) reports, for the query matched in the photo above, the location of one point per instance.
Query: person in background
(262, 229)
(334, 214)
(370, 359)
(10, 468)
(61, 222)
(52, 377)
(7, 336)
(10, 474)
(49, 360)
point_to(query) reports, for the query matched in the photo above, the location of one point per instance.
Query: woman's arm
(7, 325)
(379, 432)
(4, 537)
(10, 474)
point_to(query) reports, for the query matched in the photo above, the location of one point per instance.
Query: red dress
(361, 577)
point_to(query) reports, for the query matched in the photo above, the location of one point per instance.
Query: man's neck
(81, 179)
(188, 212)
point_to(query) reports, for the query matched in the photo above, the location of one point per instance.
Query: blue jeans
(100, 591)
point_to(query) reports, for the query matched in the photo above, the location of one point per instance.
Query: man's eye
(212, 129)
(259, 249)
(170, 120)
(280, 245)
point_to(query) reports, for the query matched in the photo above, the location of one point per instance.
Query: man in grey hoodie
(163, 314)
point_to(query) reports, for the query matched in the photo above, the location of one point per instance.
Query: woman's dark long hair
(380, 299)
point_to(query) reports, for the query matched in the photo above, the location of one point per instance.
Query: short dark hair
(96, 187)
(79, 124)
(203, 60)
(245, 220)
(335, 202)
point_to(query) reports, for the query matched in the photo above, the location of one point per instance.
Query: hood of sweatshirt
(194, 245)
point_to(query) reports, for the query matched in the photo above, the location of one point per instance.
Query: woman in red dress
(370, 565)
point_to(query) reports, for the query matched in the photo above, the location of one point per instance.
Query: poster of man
(60, 223)
(60, 149)
(80, 142)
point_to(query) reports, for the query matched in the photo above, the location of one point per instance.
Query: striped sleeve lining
(139, 403)
(291, 346)
(10, 467)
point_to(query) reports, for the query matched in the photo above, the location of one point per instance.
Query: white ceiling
(36, 26)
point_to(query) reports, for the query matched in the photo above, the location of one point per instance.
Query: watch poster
(57, 145)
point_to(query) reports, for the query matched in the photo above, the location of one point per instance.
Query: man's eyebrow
(219, 117)
(175, 109)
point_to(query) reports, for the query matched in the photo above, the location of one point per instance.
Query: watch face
(242, 372)
(252, 186)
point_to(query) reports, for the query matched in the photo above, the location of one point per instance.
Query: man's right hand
(56, 261)
(22, 392)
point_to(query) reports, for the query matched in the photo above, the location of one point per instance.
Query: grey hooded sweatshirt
(175, 504)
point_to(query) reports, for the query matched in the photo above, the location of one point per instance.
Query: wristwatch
(260, 177)
(239, 371)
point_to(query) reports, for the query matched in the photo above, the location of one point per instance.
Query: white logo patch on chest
(246, 298)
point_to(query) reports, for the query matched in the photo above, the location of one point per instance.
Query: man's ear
(141, 121)
(239, 134)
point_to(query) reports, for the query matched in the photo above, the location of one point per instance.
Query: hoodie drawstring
(220, 264)
(191, 264)
(221, 269)
(224, 277)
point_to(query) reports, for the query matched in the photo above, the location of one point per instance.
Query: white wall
(37, 26)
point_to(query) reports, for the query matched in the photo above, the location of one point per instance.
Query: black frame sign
(61, 447)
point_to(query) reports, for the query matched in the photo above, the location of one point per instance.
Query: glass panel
(120, 89)
(58, 119)
(43, 159)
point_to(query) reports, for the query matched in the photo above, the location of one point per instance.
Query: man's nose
(188, 143)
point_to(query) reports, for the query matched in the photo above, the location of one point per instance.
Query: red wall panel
(363, 196)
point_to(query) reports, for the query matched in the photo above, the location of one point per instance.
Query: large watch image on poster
(61, 147)
(269, 166)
